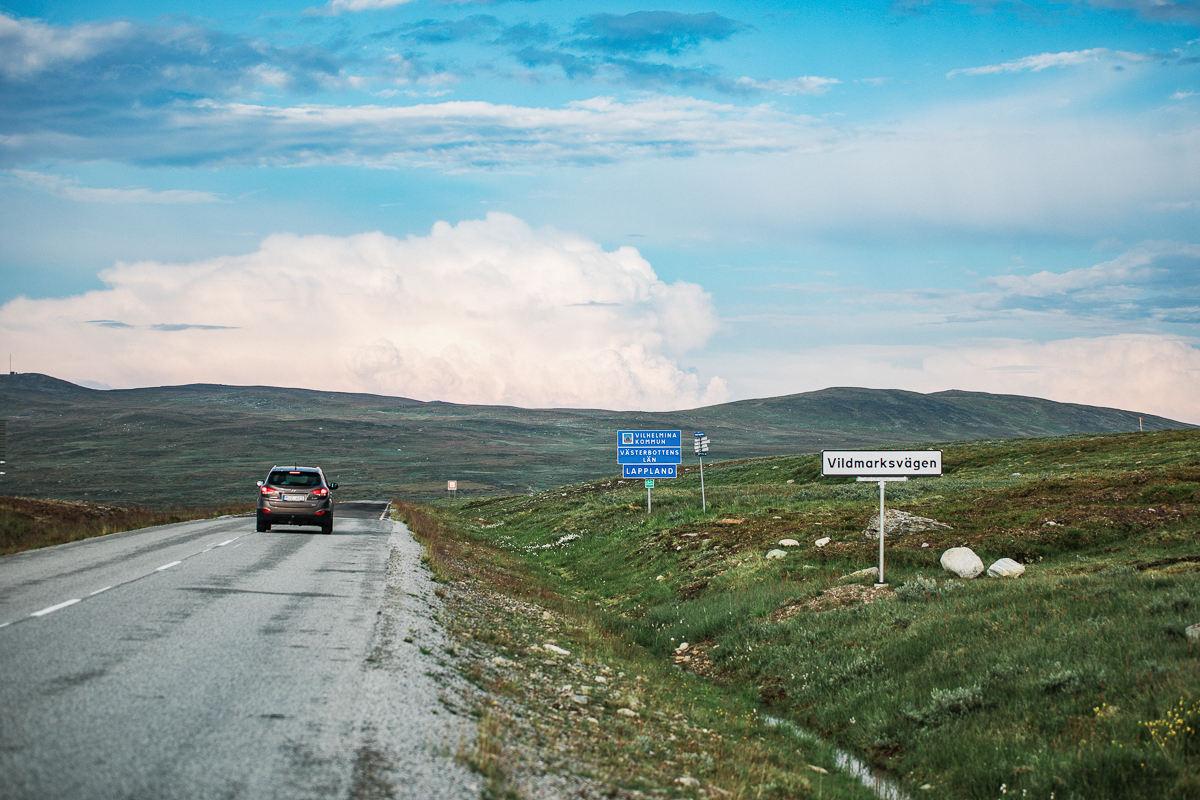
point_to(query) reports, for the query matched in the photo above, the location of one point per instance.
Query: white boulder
(1006, 568)
(902, 523)
(962, 561)
(824, 540)
(869, 572)
(788, 543)
(776, 554)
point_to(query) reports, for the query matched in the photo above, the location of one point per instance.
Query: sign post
(701, 447)
(649, 455)
(882, 467)
(452, 488)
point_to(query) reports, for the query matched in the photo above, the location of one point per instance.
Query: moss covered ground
(1075, 680)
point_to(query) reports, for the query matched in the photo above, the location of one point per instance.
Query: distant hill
(206, 443)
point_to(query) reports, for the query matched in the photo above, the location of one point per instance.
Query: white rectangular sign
(881, 463)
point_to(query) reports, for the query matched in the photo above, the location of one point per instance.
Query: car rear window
(284, 478)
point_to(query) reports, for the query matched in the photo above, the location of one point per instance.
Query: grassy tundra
(1075, 680)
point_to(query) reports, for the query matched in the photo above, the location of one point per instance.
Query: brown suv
(295, 496)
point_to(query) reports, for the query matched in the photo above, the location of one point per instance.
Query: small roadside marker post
(452, 488)
(1140, 429)
(649, 486)
(882, 467)
(701, 447)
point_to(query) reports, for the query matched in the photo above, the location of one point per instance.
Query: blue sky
(608, 204)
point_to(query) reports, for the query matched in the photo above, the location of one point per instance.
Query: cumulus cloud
(487, 311)
(70, 190)
(1155, 374)
(1043, 61)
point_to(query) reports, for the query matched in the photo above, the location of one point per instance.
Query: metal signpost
(649, 455)
(452, 487)
(701, 447)
(882, 467)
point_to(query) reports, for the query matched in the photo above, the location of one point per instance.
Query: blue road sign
(649, 447)
(648, 471)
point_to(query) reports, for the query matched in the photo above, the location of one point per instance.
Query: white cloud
(61, 187)
(31, 47)
(1135, 266)
(354, 6)
(488, 311)
(1155, 374)
(1047, 60)
(806, 85)
(477, 133)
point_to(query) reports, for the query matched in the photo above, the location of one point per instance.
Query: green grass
(1054, 683)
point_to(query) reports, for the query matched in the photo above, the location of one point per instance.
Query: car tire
(327, 527)
(263, 526)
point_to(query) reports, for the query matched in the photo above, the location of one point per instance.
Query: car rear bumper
(278, 513)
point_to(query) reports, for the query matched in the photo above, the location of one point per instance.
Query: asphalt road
(205, 660)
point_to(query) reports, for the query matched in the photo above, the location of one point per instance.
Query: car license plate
(295, 498)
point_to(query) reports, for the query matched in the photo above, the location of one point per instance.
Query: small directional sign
(650, 483)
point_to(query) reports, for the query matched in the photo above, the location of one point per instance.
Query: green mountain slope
(207, 443)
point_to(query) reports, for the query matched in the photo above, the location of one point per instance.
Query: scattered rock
(774, 554)
(869, 572)
(924, 544)
(1049, 523)
(791, 481)
(683, 646)
(546, 615)
(556, 650)
(732, 521)
(601, 679)
(627, 712)
(788, 543)
(1006, 568)
(501, 661)
(1193, 633)
(962, 561)
(660, 577)
(688, 781)
(824, 540)
(902, 523)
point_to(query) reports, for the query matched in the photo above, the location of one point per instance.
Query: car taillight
(320, 492)
(267, 490)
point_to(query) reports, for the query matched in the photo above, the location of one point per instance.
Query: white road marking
(98, 591)
(227, 541)
(5, 624)
(54, 608)
(168, 566)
